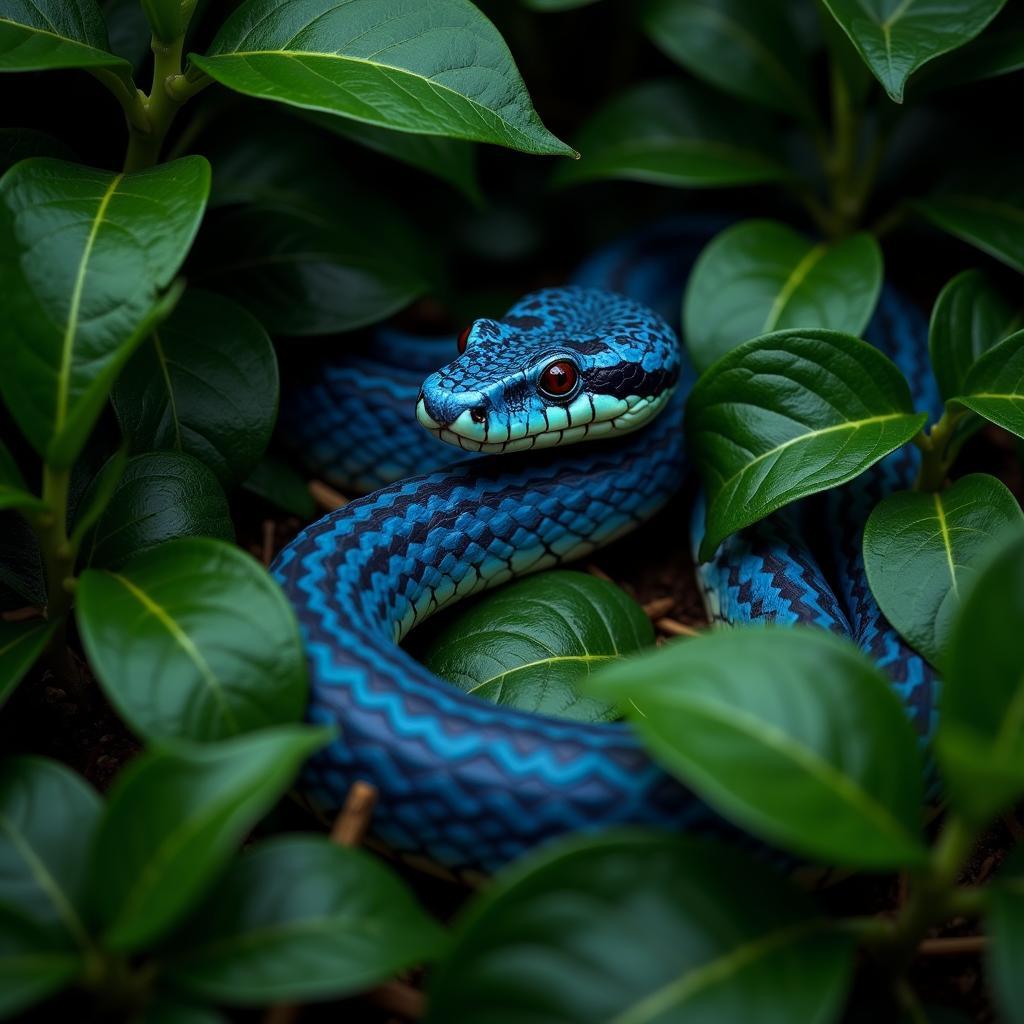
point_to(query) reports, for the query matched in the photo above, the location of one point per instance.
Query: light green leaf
(921, 552)
(760, 276)
(637, 929)
(174, 818)
(896, 37)
(788, 415)
(675, 133)
(21, 643)
(994, 386)
(532, 644)
(33, 962)
(14, 492)
(441, 69)
(789, 733)
(85, 258)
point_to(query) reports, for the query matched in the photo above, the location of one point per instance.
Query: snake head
(563, 365)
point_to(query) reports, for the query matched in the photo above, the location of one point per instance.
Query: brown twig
(267, 547)
(354, 818)
(674, 628)
(399, 998)
(959, 945)
(325, 496)
(22, 614)
(596, 570)
(659, 607)
(282, 1013)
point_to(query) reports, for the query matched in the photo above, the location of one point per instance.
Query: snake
(527, 442)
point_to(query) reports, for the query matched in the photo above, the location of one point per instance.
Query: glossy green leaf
(761, 276)
(980, 740)
(174, 818)
(37, 35)
(42, 871)
(1005, 925)
(441, 69)
(193, 639)
(999, 50)
(21, 143)
(85, 257)
(970, 316)
(166, 17)
(33, 962)
(792, 734)
(14, 492)
(745, 47)
(634, 929)
(896, 37)
(206, 384)
(21, 643)
(278, 482)
(300, 918)
(128, 28)
(532, 644)
(160, 497)
(675, 133)
(788, 415)
(922, 550)
(994, 386)
(98, 494)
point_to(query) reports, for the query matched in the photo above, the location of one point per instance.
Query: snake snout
(440, 409)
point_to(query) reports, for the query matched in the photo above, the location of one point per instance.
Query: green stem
(939, 449)
(161, 107)
(132, 101)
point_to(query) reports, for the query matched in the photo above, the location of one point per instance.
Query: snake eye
(463, 338)
(558, 378)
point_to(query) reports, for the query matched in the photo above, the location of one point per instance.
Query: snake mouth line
(638, 412)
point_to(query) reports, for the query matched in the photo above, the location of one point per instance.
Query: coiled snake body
(465, 785)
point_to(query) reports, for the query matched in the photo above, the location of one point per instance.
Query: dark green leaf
(84, 257)
(37, 35)
(790, 733)
(161, 496)
(98, 494)
(547, 6)
(300, 918)
(634, 929)
(276, 481)
(1005, 921)
(788, 415)
(896, 37)
(33, 963)
(174, 818)
(969, 317)
(532, 644)
(21, 568)
(194, 640)
(761, 276)
(980, 741)
(21, 643)
(129, 31)
(205, 384)
(994, 387)
(48, 816)
(746, 47)
(14, 492)
(437, 70)
(921, 552)
(166, 18)
(675, 133)
(167, 1009)
(21, 143)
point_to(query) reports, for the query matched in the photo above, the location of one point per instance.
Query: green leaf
(48, 817)
(98, 494)
(84, 258)
(994, 386)
(437, 70)
(300, 918)
(21, 568)
(1005, 925)
(14, 492)
(980, 740)
(633, 929)
(548, 6)
(450, 160)
(38, 35)
(166, 18)
(161, 496)
(761, 276)
(193, 639)
(174, 818)
(788, 415)
(128, 27)
(21, 643)
(278, 482)
(745, 47)
(33, 963)
(922, 550)
(305, 274)
(532, 644)
(675, 133)
(896, 37)
(206, 384)
(790, 733)
(969, 317)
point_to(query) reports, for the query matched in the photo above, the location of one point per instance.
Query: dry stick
(676, 628)
(397, 997)
(659, 607)
(22, 614)
(326, 497)
(267, 548)
(959, 945)
(596, 570)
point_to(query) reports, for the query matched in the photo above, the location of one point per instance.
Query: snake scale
(464, 785)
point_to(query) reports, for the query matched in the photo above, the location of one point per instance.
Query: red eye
(559, 378)
(463, 338)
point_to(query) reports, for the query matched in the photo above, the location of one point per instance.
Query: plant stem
(144, 146)
(939, 449)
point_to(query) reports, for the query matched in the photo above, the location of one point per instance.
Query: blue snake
(464, 785)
